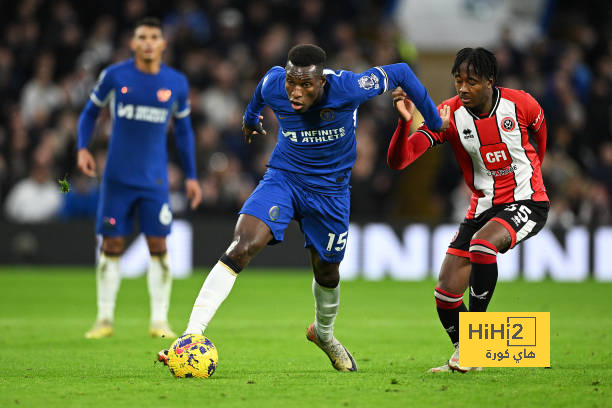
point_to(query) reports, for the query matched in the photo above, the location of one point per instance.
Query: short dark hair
(148, 22)
(304, 55)
(481, 60)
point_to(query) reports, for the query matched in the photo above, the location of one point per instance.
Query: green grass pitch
(264, 359)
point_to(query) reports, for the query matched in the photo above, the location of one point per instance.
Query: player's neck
(148, 67)
(486, 107)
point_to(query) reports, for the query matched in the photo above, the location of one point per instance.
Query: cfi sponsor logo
(163, 94)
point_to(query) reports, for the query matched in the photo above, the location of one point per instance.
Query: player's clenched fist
(249, 131)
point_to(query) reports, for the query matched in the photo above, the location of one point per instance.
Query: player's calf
(449, 305)
(483, 256)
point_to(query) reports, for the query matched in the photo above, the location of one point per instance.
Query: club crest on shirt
(163, 94)
(368, 82)
(508, 124)
(327, 114)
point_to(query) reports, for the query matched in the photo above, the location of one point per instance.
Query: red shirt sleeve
(404, 147)
(536, 122)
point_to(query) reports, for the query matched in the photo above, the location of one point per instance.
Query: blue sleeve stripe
(328, 71)
(183, 113)
(431, 140)
(97, 101)
(386, 78)
(264, 81)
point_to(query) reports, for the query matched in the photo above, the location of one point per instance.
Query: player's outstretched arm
(405, 108)
(401, 75)
(405, 148)
(402, 104)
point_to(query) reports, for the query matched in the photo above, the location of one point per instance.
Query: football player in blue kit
(307, 179)
(143, 94)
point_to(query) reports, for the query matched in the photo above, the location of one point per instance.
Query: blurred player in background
(489, 135)
(143, 94)
(307, 179)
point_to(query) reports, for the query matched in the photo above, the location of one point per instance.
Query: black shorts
(523, 219)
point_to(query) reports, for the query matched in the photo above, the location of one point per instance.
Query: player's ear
(323, 80)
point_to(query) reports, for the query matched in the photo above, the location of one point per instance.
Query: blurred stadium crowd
(51, 53)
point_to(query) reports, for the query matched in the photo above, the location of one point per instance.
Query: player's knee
(482, 251)
(113, 246)
(157, 246)
(326, 274)
(446, 299)
(328, 280)
(242, 250)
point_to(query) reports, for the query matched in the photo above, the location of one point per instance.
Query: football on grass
(192, 355)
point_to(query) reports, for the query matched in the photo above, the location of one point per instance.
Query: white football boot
(453, 365)
(339, 356)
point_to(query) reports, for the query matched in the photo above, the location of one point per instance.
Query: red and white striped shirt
(498, 162)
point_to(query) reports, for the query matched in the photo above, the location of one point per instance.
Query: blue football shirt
(141, 106)
(318, 147)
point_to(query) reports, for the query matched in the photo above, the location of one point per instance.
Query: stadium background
(52, 51)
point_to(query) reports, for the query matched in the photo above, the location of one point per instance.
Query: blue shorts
(323, 218)
(119, 203)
